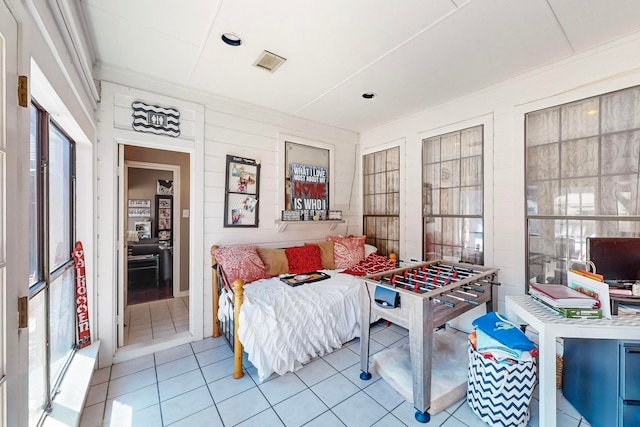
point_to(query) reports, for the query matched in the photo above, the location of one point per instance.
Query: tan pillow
(275, 261)
(326, 254)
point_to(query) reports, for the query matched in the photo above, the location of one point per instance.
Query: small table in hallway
(143, 264)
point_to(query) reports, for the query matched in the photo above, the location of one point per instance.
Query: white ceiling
(412, 54)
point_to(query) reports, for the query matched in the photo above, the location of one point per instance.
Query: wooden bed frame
(227, 329)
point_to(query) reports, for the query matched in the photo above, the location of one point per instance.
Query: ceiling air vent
(269, 61)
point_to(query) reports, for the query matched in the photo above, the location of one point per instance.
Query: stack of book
(566, 301)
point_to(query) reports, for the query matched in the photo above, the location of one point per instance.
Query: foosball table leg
(365, 320)
(365, 376)
(422, 417)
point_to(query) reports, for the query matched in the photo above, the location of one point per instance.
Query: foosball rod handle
(443, 302)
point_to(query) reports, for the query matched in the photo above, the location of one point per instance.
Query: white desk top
(551, 325)
(547, 316)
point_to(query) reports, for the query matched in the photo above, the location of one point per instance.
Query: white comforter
(281, 327)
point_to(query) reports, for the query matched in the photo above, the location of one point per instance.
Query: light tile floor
(191, 385)
(148, 321)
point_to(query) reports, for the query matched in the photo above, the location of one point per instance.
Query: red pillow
(240, 262)
(373, 263)
(347, 251)
(304, 259)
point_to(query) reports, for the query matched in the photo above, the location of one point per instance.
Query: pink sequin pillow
(304, 259)
(373, 263)
(240, 262)
(347, 251)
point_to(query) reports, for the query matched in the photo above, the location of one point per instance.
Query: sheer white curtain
(452, 180)
(381, 200)
(582, 177)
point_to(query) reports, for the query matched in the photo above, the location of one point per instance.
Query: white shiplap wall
(501, 108)
(258, 134)
(224, 127)
(254, 138)
(115, 128)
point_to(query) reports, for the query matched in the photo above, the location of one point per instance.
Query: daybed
(281, 327)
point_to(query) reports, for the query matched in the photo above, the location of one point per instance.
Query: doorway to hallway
(150, 231)
(153, 288)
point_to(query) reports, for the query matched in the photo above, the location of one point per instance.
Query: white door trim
(14, 226)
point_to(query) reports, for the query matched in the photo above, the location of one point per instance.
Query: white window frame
(486, 120)
(283, 138)
(558, 102)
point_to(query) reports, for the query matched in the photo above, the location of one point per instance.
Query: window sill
(326, 223)
(69, 402)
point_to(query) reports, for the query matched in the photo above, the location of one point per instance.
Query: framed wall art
(241, 196)
(143, 229)
(164, 219)
(139, 203)
(140, 212)
(165, 187)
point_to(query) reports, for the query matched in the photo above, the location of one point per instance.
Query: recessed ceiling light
(231, 39)
(369, 95)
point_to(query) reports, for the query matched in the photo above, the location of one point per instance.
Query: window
(582, 179)
(452, 196)
(52, 332)
(381, 181)
(319, 159)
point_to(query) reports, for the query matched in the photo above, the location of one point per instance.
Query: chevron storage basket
(500, 393)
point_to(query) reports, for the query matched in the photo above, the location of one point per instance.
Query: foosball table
(421, 297)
